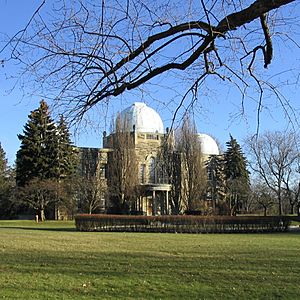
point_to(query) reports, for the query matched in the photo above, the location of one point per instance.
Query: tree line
(216, 184)
(46, 177)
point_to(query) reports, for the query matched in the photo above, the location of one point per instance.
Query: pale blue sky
(217, 114)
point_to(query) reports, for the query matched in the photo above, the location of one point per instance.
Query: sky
(219, 112)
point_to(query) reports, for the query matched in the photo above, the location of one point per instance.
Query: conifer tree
(37, 151)
(216, 182)
(236, 175)
(46, 159)
(3, 162)
(6, 186)
(66, 156)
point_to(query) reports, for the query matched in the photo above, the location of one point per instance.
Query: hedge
(181, 224)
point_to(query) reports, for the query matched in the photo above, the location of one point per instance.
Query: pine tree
(66, 155)
(236, 175)
(216, 182)
(3, 162)
(46, 158)
(37, 151)
(6, 186)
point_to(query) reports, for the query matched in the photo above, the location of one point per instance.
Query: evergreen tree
(216, 182)
(236, 175)
(46, 158)
(66, 155)
(37, 151)
(6, 186)
(3, 162)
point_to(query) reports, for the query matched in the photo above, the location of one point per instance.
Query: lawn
(53, 261)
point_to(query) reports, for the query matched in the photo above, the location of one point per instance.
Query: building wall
(154, 183)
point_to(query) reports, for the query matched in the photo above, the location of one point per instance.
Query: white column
(167, 202)
(153, 203)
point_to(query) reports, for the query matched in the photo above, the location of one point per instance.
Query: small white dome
(208, 145)
(143, 118)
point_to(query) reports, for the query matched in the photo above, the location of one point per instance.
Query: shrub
(181, 224)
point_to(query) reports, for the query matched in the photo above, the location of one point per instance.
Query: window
(152, 137)
(152, 170)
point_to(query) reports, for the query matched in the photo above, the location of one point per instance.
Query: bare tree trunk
(292, 208)
(265, 211)
(42, 212)
(279, 206)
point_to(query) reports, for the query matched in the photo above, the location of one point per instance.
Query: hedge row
(181, 224)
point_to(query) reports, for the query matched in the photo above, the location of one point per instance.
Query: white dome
(144, 118)
(208, 145)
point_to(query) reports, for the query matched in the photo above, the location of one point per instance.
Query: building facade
(148, 139)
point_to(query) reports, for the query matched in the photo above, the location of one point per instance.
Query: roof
(143, 118)
(208, 145)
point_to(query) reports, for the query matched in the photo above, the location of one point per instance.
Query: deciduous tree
(274, 157)
(171, 162)
(92, 192)
(39, 194)
(122, 168)
(87, 53)
(262, 196)
(193, 171)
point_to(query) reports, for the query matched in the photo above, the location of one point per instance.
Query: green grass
(53, 261)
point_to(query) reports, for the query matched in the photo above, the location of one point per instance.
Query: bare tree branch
(88, 54)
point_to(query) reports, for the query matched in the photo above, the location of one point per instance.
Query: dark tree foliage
(46, 150)
(216, 183)
(38, 147)
(46, 157)
(39, 194)
(236, 175)
(235, 161)
(67, 158)
(3, 162)
(6, 186)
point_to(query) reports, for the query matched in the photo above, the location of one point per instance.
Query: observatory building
(145, 138)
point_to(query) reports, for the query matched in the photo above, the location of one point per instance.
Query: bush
(181, 224)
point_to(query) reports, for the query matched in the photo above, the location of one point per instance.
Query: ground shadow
(62, 229)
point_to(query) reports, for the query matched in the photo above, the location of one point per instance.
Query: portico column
(153, 203)
(167, 202)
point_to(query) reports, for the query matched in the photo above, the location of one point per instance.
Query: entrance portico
(156, 199)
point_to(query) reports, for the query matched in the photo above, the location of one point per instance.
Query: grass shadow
(61, 229)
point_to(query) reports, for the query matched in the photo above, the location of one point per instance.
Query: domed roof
(144, 118)
(208, 145)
